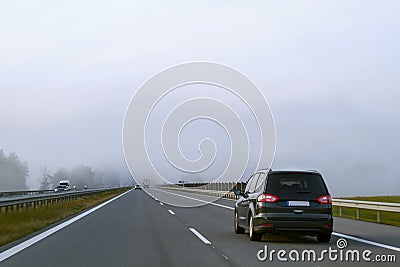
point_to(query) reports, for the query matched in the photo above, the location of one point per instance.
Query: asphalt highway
(138, 229)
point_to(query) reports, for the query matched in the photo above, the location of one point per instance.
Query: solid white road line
(334, 233)
(18, 248)
(170, 211)
(200, 236)
(366, 241)
(161, 204)
(204, 201)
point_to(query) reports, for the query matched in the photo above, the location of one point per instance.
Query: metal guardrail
(369, 205)
(217, 193)
(23, 193)
(214, 189)
(46, 199)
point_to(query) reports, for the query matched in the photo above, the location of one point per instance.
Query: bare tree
(46, 180)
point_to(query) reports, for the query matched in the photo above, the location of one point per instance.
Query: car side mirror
(238, 192)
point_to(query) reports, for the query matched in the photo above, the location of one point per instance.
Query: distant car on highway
(284, 201)
(66, 184)
(60, 188)
(137, 187)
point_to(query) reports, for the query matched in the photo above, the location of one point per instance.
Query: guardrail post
(340, 211)
(378, 216)
(357, 213)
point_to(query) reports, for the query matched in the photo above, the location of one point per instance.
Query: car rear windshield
(289, 185)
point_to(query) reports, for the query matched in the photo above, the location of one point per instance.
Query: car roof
(289, 171)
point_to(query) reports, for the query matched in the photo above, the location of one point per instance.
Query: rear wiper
(305, 192)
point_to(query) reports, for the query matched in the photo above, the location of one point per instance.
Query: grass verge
(18, 224)
(391, 218)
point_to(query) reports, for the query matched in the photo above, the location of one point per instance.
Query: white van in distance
(65, 183)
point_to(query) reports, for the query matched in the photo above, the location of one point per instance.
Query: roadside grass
(18, 224)
(391, 218)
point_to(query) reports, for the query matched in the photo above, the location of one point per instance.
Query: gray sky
(329, 69)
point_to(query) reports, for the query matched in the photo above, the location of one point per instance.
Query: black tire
(324, 238)
(253, 236)
(238, 229)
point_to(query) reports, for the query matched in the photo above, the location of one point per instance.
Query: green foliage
(78, 176)
(83, 175)
(390, 199)
(13, 172)
(392, 218)
(17, 224)
(60, 174)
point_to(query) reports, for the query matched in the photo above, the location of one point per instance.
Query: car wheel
(253, 236)
(238, 229)
(324, 238)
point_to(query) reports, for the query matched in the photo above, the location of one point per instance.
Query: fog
(329, 70)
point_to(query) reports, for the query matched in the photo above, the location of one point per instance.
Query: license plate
(297, 203)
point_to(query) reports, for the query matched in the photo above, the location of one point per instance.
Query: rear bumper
(310, 226)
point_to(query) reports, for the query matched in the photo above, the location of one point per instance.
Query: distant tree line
(79, 176)
(13, 172)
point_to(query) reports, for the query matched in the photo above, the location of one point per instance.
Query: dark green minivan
(284, 201)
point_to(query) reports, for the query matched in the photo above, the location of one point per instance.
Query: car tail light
(267, 198)
(325, 199)
(267, 224)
